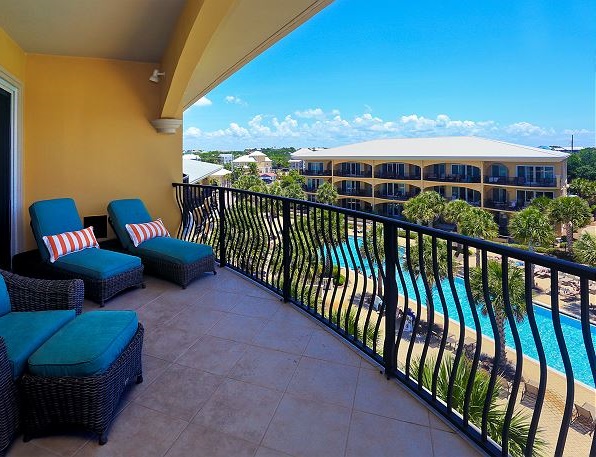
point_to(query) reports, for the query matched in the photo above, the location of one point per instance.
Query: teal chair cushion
(87, 346)
(127, 211)
(51, 217)
(98, 263)
(4, 298)
(25, 332)
(173, 250)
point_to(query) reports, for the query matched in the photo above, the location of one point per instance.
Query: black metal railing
(354, 174)
(521, 182)
(511, 205)
(361, 192)
(392, 175)
(396, 196)
(452, 318)
(308, 188)
(308, 172)
(452, 178)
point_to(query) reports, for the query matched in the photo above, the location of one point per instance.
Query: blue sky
(520, 71)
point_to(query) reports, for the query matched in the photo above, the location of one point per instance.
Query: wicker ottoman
(81, 387)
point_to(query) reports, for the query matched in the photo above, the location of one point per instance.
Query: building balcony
(308, 188)
(404, 176)
(316, 172)
(452, 178)
(521, 182)
(355, 192)
(511, 205)
(360, 174)
(400, 196)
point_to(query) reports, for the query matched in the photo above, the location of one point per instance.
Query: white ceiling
(114, 29)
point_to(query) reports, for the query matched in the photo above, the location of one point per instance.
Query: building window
(315, 166)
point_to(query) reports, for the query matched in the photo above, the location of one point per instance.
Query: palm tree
(424, 208)
(455, 210)
(327, 194)
(585, 249)
(532, 227)
(573, 212)
(585, 188)
(496, 294)
(478, 223)
(542, 203)
(519, 426)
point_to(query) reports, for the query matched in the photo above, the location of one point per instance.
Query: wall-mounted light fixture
(156, 75)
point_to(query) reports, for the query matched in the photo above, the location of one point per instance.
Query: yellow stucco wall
(87, 136)
(12, 57)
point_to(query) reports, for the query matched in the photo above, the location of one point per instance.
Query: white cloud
(315, 126)
(235, 100)
(311, 113)
(203, 101)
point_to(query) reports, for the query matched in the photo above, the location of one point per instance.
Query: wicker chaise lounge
(105, 273)
(176, 260)
(38, 308)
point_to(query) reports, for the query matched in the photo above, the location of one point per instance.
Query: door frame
(14, 88)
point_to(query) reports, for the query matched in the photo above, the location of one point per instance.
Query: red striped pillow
(143, 232)
(67, 242)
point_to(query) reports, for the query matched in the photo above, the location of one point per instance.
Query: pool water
(571, 327)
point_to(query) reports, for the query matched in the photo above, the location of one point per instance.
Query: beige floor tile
(195, 319)
(438, 423)
(308, 428)
(159, 311)
(265, 367)
(137, 431)
(376, 395)
(323, 345)
(447, 444)
(168, 343)
(30, 449)
(238, 328)
(179, 392)
(329, 382)
(218, 300)
(293, 339)
(264, 308)
(266, 452)
(152, 369)
(200, 441)
(212, 354)
(240, 409)
(62, 444)
(375, 435)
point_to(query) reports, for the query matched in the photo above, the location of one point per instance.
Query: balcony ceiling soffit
(136, 30)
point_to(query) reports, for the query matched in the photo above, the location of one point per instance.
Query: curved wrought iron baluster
(587, 334)
(364, 281)
(497, 337)
(369, 259)
(327, 256)
(381, 273)
(570, 381)
(541, 357)
(320, 248)
(314, 255)
(478, 329)
(233, 228)
(462, 327)
(334, 263)
(431, 319)
(519, 356)
(404, 294)
(277, 267)
(302, 255)
(414, 283)
(430, 309)
(248, 215)
(343, 229)
(356, 279)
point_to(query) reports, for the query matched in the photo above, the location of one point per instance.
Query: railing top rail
(564, 266)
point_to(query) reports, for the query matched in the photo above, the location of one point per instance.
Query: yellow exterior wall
(88, 136)
(12, 57)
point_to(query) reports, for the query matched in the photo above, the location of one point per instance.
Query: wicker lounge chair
(26, 297)
(176, 260)
(105, 273)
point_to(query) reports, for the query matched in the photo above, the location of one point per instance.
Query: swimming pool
(571, 327)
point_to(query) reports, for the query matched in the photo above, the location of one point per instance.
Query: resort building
(257, 157)
(198, 172)
(379, 176)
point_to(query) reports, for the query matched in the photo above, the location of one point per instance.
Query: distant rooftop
(454, 148)
(197, 170)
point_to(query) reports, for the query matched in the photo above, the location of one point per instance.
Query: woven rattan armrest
(28, 294)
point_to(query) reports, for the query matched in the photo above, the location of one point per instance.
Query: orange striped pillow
(67, 242)
(143, 232)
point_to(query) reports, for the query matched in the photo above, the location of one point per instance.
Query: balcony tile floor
(231, 370)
